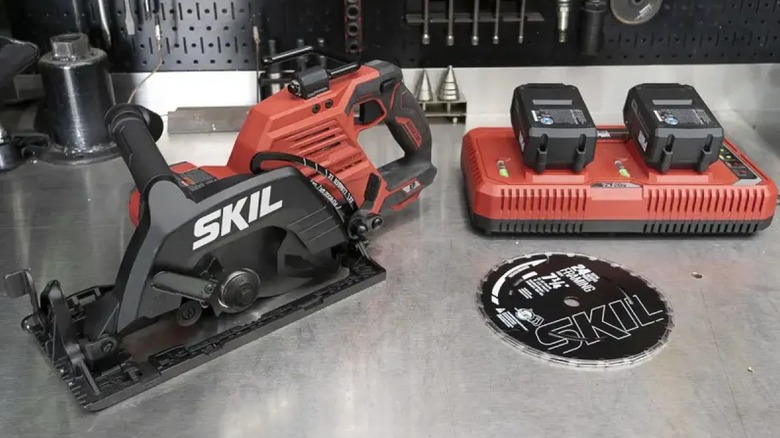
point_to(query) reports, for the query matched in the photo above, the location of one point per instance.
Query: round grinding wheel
(635, 11)
(575, 310)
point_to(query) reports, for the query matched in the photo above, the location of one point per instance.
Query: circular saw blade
(575, 310)
(635, 11)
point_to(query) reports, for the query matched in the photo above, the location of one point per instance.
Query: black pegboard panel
(683, 32)
(217, 34)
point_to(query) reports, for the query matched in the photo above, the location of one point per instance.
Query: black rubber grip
(407, 122)
(135, 129)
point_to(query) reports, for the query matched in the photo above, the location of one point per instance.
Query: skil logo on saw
(220, 223)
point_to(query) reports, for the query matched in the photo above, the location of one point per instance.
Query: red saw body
(616, 193)
(321, 128)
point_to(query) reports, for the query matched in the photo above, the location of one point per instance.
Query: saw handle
(135, 130)
(409, 127)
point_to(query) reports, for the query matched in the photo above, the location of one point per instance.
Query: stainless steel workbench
(410, 357)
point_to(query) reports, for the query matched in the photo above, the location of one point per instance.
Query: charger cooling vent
(551, 202)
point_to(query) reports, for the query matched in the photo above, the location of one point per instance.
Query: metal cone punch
(423, 91)
(448, 89)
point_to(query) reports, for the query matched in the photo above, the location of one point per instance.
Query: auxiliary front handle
(135, 130)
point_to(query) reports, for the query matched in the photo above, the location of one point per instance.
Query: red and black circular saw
(223, 255)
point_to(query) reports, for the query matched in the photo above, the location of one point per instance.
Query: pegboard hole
(228, 45)
(211, 44)
(176, 45)
(213, 61)
(226, 28)
(195, 61)
(353, 12)
(224, 11)
(178, 61)
(189, 11)
(208, 28)
(229, 61)
(194, 45)
(206, 11)
(241, 11)
(143, 62)
(174, 28)
(246, 61)
(143, 46)
(192, 27)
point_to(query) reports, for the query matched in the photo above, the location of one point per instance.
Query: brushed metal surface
(410, 357)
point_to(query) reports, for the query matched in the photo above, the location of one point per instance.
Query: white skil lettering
(231, 214)
(615, 320)
(220, 223)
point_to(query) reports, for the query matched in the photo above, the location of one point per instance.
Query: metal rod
(103, 13)
(497, 20)
(298, 51)
(301, 60)
(129, 21)
(451, 23)
(521, 35)
(426, 37)
(475, 30)
(273, 70)
(344, 69)
(147, 9)
(323, 61)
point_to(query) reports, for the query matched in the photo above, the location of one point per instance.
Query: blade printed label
(575, 309)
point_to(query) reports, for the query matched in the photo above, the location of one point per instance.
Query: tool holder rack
(683, 32)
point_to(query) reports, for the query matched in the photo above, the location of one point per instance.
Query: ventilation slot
(543, 200)
(717, 201)
(315, 140)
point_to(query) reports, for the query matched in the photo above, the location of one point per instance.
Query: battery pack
(553, 127)
(672, 126)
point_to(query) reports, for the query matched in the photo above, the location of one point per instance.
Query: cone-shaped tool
(423, 93)
(448, 89)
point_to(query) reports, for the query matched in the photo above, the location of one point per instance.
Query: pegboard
(217, 34)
